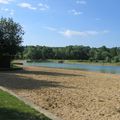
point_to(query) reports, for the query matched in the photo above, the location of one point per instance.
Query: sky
(58, 23)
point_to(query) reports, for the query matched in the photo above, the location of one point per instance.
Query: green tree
(10, 40)
(113, 51)
(101, 54)
(116, 59)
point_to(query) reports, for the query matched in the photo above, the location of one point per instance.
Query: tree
(10, 40)
(116, 59)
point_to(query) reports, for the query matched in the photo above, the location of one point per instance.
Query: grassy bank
(13, 109)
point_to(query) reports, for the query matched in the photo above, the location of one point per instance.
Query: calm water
(98, 68)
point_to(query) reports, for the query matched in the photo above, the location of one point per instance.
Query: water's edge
(96, 68)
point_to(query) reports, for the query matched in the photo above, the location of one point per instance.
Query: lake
(98, 68)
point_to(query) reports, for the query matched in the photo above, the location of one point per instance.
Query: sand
(69, 94)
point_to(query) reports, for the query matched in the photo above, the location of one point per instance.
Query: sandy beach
(69, 94)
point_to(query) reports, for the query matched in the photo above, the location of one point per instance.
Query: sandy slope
(69, 94)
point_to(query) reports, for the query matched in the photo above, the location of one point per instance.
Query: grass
(13, 109)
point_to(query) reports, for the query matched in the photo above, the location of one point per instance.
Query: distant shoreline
(70, 62)
(70, 65)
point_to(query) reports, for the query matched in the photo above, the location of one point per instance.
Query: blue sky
(66, 22)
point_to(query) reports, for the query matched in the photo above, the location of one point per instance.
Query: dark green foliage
(69, 52)
(10, 40)
(102, 54)
(116, 59)
(38, 53)
(4, 61)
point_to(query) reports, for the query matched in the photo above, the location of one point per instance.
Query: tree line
(82, 53)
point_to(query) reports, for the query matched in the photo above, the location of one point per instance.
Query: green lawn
(13, 109)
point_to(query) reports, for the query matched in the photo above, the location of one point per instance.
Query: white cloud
(10, 11)
(40, 6)
(73, 33)
(43, 7)
(50, 28)
(83, 2)
(5, 1)
(74, 12)
(70, 33)
(27, 5)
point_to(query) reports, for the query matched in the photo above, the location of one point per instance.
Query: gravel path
(69, 94)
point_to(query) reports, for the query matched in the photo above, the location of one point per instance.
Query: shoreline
(82, 68)
(71, 69)
(98, 69)
(72, 62)
(67, 69)
(89, 63)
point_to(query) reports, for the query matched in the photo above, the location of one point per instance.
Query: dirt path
(69, 94)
